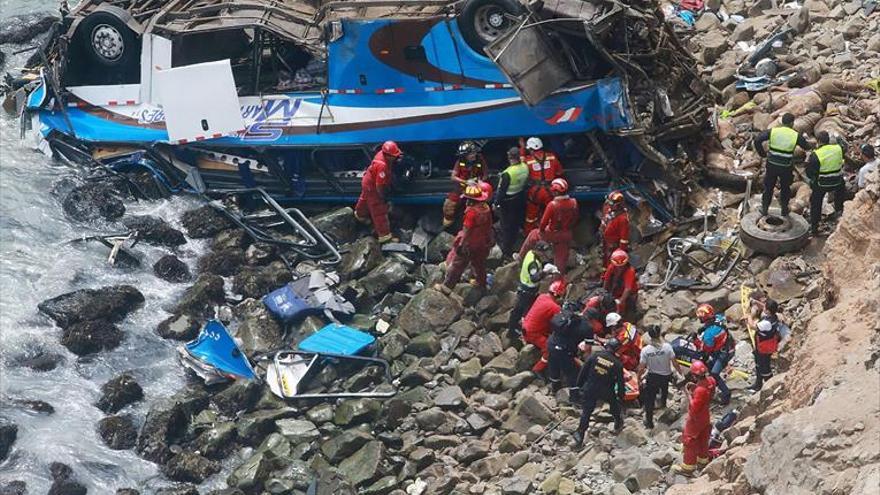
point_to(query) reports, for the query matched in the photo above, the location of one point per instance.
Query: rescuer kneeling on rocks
(536, 324)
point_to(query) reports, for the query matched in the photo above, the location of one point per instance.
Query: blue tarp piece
(337, 339)
(216, 347)
(286, 305)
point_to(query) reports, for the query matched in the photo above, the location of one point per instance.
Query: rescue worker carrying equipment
(825, 175)
(614, 227)
(372, 205)
(780, 161)
(531, 272)
(716, 344)
(472, 244)
(556, 226)
(469, 169)
(628, 338)
(571, 333)
(697, 426)
(544, 166)
(621, 281)
(601, 378)
(510, 199)
(656, 367)
(597, 308)
(536, 324)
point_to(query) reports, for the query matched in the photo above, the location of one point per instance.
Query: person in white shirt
(871, 164)
(656, 366)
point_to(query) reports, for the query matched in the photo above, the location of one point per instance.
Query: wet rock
(155, 231)
(231, 239)
(363, 255)
(60, 471)
(217, 442)
(225, 262)
(256, 282)
(171, 269)
(23, 28)
(93, 201)
(199, 299)
(40, 360)
(13, 488)
(383, 278)
(118, 432)
(241, 395)
(166, 423)
(107, 303)
(338, 224)
(363, 465)
(180, 327)
(204, 222)
(119, 392)
(298, 431)
(35, 406)
(344, 444)
(8, 434)
(429, 311)
(190, 467)
(181, 489)
(127, 491)
(67, 487)
(257, 330)
(88, 337)
(357, 411)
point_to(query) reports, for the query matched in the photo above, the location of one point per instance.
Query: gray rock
(467, 374)
(714, 44)
(344, 444)
(383, 278)
(13, 487)
(516, 486)
(438, 247)
(119, 392)
(171, 269)
(179, 327)
(225, 262)
(255, 426)
(322, 413)
(363, 255)
(200, 298)
(440, 442)
(190, 467)
(512, 442)
(425, 345)
(357, 411)
(249, 476)
(34, 406)
(488, 467)
(527, 357)
(363, 466)
(478, 422)
(112, 303)
(504, 363)
(8, 435)
(22, 28)
(450, 397)
(88, 337)
(118, 432)
(234, 238)
(93, 201)
(240, 395)
(339, 224)
(800, 21)
(217, 442)
(415, 374)
(471, 451)
(717, 298)
(428, 311)
(40, 360)
(294, 475)
(260, 253)
(155, 231)
(204, 222)
(257, 330)
(67, 487)
(383, 486)
(257, 281)
(298, 430)
(431, 419)
(166, 423)
(518, 381)
(528, 412)
(394, 344)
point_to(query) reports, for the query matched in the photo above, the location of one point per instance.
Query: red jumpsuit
(697, 427)
(616, 280)
(371, 203)
(615, 232)
(464, 171)
(595, 315)
(471, 245)
(536, 326)
(542, 171)
(556, 227)
(630, 350)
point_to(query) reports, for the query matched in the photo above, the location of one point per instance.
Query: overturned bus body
(293, 96)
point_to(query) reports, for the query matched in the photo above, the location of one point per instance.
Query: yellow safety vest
(519, 175)
(830, 159)
(783, 141)
(525, 277)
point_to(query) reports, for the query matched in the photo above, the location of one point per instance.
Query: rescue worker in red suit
(472, 244)
(630, 350)
(372, 204)
(697, 427)
(469, 168)
(537, 322)
(614, 227)
(621, 281)
(556, 226)
(544, 166)
(596, 309)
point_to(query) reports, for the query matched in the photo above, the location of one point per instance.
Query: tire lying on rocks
(774, 234)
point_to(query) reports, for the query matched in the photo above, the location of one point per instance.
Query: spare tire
(483, 21)
(774, 234)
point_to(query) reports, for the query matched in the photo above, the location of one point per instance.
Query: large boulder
(362, 256)
(166, 423)
(154, 230)
(118, 432)
(88, 337)
(240, 395)
(179, 327)
(257, 281)
(204, 222)
(119, 392)
(344, 444)
(257, 330)
(339, 224)
(111, 303)
(199, 299)
(527, 413)
(190, 467)
(429, 311)
(92, 201)
(22, 28)
(363, 466)
(383, 278)
(8, 434)
(39, 360)
(171, 269)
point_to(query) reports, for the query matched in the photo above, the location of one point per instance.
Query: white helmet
(612, 319)
(764, 326)
(534, 143)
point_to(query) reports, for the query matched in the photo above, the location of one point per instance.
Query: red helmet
(698, 368)
(619, 257)
(615, 198)
(559, 186)
(390, 148)
(705, 312)
(557, 288)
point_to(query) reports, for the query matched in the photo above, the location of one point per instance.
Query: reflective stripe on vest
(525, 277)
(783, 141)
(519, 174)
(830, 159)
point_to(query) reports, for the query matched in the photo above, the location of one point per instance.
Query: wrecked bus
(292, 96)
